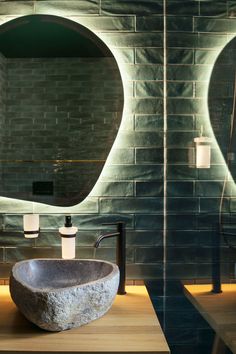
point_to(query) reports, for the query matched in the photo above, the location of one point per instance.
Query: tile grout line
(164, 158)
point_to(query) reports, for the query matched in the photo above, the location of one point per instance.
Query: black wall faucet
(120, 252)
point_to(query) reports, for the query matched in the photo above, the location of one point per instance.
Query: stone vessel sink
(58, 294)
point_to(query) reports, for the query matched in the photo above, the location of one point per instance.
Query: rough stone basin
(58, 294)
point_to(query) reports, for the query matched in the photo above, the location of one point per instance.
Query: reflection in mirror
(61, 106)
(222, 110)
(222, 103)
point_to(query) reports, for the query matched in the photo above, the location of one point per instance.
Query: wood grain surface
(219, 310)
(130, 325)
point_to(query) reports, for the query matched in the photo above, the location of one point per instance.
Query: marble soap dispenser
(68, 234)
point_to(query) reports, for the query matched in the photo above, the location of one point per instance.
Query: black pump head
(68, 222)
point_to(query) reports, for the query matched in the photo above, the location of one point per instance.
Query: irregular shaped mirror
(222, 103)
(61, 106)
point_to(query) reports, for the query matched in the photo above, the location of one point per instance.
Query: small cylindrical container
(67, 247)
(203, 152)
(68, 235)
(31, 225)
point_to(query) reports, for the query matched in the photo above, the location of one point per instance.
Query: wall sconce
(203, 151)
(31, 225)
(68, 234)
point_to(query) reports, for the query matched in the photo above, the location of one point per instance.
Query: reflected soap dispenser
(68, 234)
(203, 151)
(31, 225)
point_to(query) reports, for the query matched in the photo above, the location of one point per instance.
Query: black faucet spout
(101, 237)
(120, 252)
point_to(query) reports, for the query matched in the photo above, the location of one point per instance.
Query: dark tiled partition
(132, 185)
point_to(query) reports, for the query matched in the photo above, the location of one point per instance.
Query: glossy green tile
(181, 172)
(131, 205)
(180, 56)
(15, 239)
(132, 7)
(180, 122)
(213, 205)
(131, 172)
(232, 205)
(148, 89)
(149, 55)
(20, 253)
(206, 40)
(181, 222)
(182, 40)
(109, 254)
(182, 238)
(212, 25)
(182, 204)
(94, 222)
(124, 55)
(178, 156)
(144, 72)
(180, 139)
(149, 23)
(188, 72)
(176, 89)
(188, 8)
(149, 255)
(201, 89)
(146, 105)
(149, 189)
(127, 122)
(184, 255)
(148, 155)
(48, 239)
(207, 221)
(148, 122)
(113, 189)
(13, 222)
(145, 39)
(124, 156)
(213, 173)
(212, 188)
(180, 189)
(140, 139)
(144, 238)
(106, 23)
(67, 7)
(187, 106)
(180, 23)
(204, 238)
(144, 271)
(210, 8)
(231, 9)
(149, 222)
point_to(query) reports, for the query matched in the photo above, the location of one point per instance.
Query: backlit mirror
(61, 106)
(222, 103)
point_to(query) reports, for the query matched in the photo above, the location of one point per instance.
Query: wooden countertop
(219, 310)
(130, 325)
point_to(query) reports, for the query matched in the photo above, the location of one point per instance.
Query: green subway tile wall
(131, 186)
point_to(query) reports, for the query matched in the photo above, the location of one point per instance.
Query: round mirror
(61, 107)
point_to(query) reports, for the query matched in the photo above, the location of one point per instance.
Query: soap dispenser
(68, 234)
